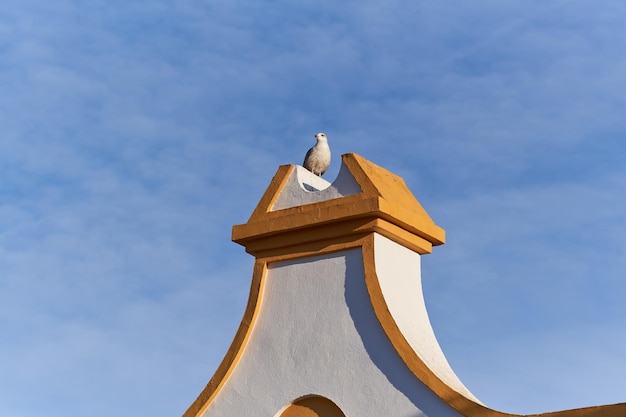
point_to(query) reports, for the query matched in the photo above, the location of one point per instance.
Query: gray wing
(306, 158)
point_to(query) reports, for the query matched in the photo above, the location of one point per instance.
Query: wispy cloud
(135, 134)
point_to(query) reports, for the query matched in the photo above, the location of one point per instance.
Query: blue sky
(135, 134)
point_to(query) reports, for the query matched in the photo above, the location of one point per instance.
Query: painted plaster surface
(399, 274)
(316, 333)
(312, 326)
(304, 187)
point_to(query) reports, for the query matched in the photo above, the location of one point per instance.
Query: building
(336, 323)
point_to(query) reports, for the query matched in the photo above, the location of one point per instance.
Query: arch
(312, 406)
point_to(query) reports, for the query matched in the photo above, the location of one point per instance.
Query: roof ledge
(299, 207)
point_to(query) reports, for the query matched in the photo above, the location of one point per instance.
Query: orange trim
(311, 248)
(308, 215)
(404, 349)
(272, 192)
(456, 400)
(313, 406)
(385, 206)
(237, 346)
(320, 236)
(244, 331)
(395, 196)
(384, 196)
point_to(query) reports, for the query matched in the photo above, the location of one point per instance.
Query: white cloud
(134, 135)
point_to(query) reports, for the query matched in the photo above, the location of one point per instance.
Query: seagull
(317, 159)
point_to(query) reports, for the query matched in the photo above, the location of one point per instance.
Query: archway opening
(312, 406)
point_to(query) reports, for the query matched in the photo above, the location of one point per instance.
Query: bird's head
(321, 136)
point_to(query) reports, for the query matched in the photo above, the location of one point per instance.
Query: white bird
(317, 159)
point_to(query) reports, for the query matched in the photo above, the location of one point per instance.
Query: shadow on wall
(379, 347)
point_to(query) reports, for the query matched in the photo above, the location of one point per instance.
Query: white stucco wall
(316, 333)
(304, 187)
(399, 274)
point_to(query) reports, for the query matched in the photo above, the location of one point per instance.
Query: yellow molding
(272, 192)
(246, 326)
(464, 405)
(313, 406)
(364, 240)
(384, 195)
(331, 211)
(308, 215)
(317, 237)
(237, 346)
(385, 206)
(395, 196)
(312, 249)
